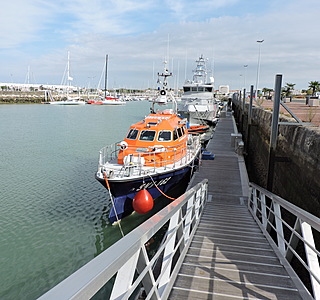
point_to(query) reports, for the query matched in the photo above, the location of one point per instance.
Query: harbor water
(54, 214)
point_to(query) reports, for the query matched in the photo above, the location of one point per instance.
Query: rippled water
(53, 213)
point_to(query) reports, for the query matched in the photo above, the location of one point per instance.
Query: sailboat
(107, 100)
(70, 100)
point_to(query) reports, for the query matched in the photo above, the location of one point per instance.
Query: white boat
(197, 103)
(70, 100)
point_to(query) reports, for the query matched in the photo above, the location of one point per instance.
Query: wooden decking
(229, 257)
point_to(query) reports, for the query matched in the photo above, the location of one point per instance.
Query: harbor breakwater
(297, 167)
(25, 97)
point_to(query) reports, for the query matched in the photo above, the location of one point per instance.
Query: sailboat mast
(106, 78)
(68, 69)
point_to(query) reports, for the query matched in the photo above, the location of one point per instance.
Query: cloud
(21, 21)
(135, 35)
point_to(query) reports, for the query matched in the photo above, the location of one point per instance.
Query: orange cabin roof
(163, 130)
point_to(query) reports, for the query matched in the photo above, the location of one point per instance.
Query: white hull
(68, 102)
(109, 103)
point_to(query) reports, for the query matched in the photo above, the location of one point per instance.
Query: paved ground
(305, 113)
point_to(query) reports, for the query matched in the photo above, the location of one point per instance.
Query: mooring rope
(113, 205)
(160, 190)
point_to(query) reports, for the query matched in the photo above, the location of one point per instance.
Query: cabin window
(200, 89)
(164, 136)
(186, 89)
(209, 89)
(194, 89)
(147, 135)
(180, 134)
(175, 135)
(182, 129)
(132, 135)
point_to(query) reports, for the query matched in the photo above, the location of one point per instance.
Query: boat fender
(142, 202)
(123, 145)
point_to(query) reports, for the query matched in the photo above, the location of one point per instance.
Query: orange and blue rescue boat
(154, 157)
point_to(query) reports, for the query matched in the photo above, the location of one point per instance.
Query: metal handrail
(183, 157)
(128, 259)
(288, 227)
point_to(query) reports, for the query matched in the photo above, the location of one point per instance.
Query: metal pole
(258, 68)
(245, 75)
(250, 105)
(249, 120)
(244, 99)
(242, 110)
(274, 131)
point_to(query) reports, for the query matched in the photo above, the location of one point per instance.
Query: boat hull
(123, 191)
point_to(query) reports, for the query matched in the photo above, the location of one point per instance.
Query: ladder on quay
(217, 243)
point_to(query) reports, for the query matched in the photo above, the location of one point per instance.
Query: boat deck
(229, 257)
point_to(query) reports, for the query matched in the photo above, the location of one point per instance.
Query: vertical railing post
(264, 210)
(168, 253)
(254, 201)
(124, 277)
(312, 258)
(279, 228)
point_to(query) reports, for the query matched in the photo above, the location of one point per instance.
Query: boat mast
(106, 78)
(69, 78)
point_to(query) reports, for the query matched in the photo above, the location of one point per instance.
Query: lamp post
(258, 68)
(245, 75)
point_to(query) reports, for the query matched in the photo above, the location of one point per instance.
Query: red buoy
(142, 202)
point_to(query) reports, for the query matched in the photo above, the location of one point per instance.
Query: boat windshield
(164, 136)
(175, 134)
(147, 135)
(132, 135)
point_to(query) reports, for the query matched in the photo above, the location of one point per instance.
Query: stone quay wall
(297, 174)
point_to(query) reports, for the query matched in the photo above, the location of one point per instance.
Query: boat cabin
(158, 140)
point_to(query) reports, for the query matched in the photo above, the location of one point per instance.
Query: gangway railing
(293, 233)
(127, 268)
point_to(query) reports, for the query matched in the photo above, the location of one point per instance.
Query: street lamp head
(261, 41)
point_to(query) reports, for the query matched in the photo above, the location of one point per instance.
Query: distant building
(34, 87)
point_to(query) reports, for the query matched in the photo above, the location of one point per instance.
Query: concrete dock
(229, 257)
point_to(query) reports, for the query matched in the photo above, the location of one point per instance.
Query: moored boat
(156, 155)
(197, 103)
(107, 101)
(198, 128)
(69, 100)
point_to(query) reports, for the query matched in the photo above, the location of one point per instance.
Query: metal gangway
(225, 238)
(128, 268)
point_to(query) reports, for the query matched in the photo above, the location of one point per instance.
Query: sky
(139, 35)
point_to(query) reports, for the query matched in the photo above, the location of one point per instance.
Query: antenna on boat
(164, 92)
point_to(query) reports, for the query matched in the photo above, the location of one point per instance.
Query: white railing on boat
(293, 233)
(136, 165)
(127, 267)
